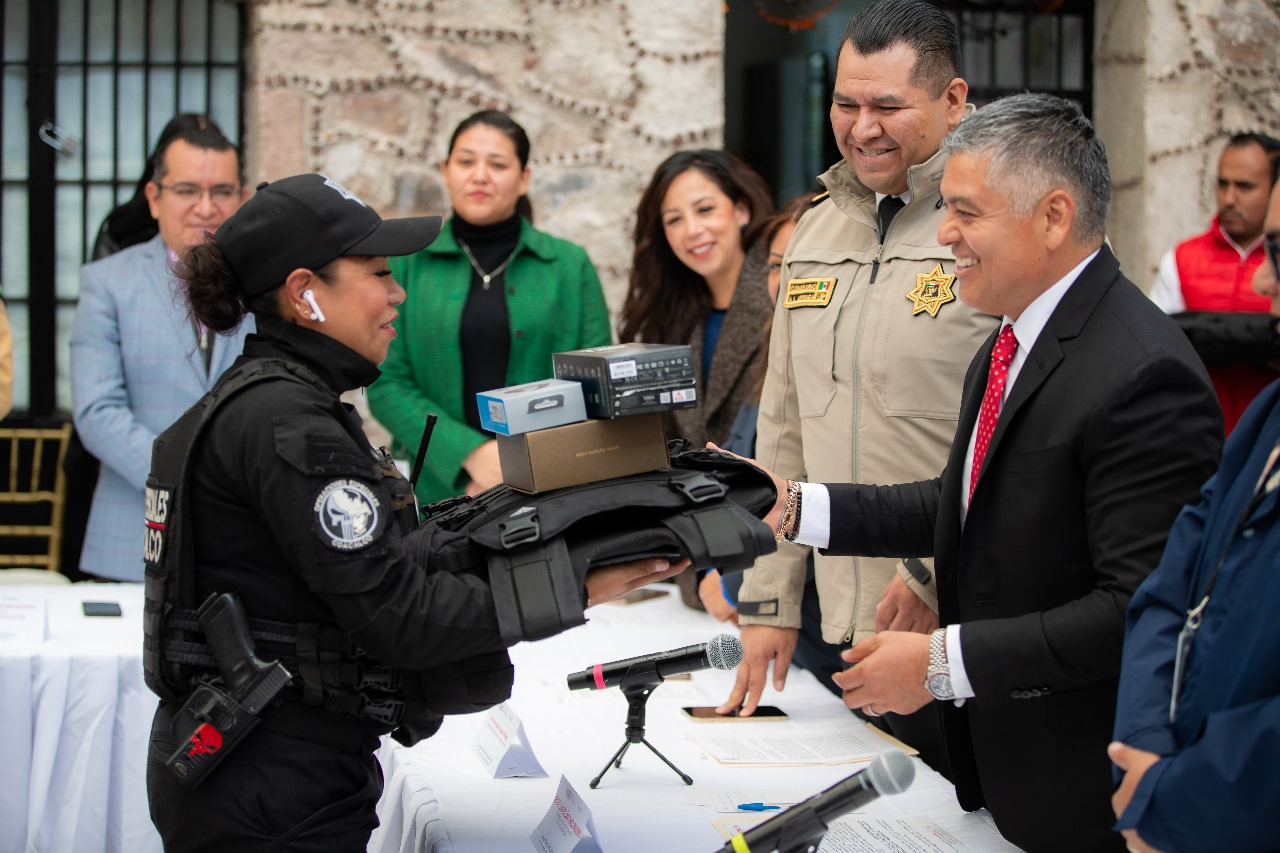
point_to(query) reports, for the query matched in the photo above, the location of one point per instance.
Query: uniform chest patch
(809, 292)
(348, 515)
(932, 291)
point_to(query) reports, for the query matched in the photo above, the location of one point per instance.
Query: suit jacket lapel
(1065, 323)
(1040, 362)
(170, 305)
(948, 532)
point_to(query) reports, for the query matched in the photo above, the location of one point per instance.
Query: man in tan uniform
(869, 344)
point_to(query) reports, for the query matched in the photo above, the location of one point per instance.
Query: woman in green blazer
(489, 302)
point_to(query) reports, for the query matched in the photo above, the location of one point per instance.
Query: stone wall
(369, 91)
(1173, 79)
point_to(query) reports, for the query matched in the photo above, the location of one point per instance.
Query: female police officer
(268, 490)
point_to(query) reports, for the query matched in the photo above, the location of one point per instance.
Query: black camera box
(620, 380)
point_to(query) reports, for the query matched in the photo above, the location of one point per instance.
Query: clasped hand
(888, 673)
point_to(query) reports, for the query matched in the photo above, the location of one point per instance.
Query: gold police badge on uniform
(809, 292)
(932, 291)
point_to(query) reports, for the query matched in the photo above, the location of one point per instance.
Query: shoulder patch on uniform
(819, 198)
(348, 515)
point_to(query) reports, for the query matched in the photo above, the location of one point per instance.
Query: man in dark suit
(1067, 470)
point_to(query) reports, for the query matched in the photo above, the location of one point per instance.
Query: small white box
(534, 405)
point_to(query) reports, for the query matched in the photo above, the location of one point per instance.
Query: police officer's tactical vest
(331, 672)
(537, 549)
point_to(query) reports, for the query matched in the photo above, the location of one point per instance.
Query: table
(439, 798)
(76, 715)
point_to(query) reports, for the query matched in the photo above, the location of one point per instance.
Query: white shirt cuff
(955, 662)
(815, 516)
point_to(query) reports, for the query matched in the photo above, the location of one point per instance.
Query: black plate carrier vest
(331, 673)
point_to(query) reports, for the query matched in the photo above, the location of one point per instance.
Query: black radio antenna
(422, 450)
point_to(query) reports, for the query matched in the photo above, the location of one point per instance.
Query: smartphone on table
(705, 713)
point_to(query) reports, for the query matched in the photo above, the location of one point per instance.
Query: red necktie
(1001, 356)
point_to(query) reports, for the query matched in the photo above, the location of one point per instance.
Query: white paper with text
(502, 747)
(567, 825)
(22, 617)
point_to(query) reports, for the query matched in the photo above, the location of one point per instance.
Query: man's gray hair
(1038, 143)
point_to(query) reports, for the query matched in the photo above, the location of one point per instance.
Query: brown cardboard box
(584, 452)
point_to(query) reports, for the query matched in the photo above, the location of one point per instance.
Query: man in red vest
(1204, 283)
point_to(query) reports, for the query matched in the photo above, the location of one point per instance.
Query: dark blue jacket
(1218, 786)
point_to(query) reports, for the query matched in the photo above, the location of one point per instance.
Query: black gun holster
(223, 709)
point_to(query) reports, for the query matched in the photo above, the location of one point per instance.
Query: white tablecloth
(439, 797)
(75, 716)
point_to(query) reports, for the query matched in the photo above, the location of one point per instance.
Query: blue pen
(756, 807)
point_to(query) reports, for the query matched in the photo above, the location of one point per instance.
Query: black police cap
(307, 221)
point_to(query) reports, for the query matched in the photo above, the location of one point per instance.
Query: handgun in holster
(221, 711)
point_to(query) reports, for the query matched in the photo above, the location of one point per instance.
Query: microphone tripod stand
(637, 685)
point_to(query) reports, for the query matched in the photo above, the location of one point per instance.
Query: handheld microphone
(802, 826)
(721, 652)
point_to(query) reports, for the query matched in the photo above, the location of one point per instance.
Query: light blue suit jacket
(136, 366)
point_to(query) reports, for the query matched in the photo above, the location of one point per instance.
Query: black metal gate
(1012, 46)
(87, 87)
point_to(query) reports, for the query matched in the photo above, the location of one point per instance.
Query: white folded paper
(501, 746)
(567, 825)
(22, 617)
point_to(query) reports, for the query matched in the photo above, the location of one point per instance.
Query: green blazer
(554, 304)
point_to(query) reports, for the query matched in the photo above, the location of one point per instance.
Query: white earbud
(309, 296)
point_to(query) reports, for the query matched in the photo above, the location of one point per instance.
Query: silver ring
(870, 713)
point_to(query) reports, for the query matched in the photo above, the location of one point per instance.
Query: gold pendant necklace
(485, 277)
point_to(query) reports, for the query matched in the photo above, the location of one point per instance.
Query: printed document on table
(860, 834)
(792, 744)
(933, 796)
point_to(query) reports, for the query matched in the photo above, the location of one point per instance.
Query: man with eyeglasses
(1204, 282)
(1197, 736)
(137, 360)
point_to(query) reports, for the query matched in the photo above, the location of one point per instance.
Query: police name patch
(157, 518)
(809, 292)
(348, 515)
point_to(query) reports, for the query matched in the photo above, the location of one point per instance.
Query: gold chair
(32, 491)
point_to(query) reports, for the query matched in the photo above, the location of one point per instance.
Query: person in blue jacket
(1198, 755)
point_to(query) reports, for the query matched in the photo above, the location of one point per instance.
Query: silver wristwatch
(937, 679)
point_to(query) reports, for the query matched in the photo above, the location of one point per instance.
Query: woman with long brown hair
(698, 278)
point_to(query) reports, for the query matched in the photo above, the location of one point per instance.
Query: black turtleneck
(485, 332)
